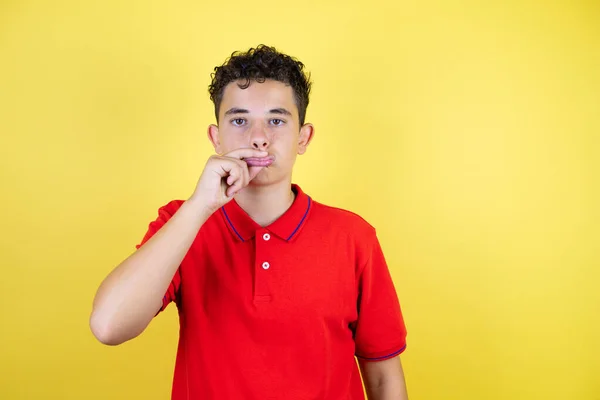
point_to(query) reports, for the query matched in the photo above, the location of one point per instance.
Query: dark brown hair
(259, 64)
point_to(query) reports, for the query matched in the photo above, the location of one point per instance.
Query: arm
(384, 380)
(131, 295)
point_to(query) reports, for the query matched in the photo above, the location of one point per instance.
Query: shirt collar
(287, 226)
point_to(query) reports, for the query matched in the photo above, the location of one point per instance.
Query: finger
(240, 154)
(226, 166)
(235, 188)
(238, 183)
(230, 192)
(243, 174)
(233, 176)
(230, 189)
(253, 171)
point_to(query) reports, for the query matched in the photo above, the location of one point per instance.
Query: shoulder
(342, 219)
(346, 229)
(165, 212)
(170, 208)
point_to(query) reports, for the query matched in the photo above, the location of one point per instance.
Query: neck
(265, 204)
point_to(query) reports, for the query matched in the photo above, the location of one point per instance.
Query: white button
(266, 236)
(266, 265)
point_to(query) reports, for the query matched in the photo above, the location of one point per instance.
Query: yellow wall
(466, 132)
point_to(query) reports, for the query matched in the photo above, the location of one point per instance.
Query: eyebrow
(235, 110)
(281, 111)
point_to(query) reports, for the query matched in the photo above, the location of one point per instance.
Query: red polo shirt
(281, 312)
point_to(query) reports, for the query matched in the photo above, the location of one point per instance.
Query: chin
(265, 178)
(261, 180)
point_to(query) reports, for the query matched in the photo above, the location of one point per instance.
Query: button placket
(263, 265)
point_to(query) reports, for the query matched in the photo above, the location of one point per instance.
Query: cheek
(287, 147)
(231, 142)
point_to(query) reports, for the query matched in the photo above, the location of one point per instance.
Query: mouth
(259, 161)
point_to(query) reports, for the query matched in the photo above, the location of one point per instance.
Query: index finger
(246, 153)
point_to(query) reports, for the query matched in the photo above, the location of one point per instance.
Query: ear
(213, 136)
(307, 132)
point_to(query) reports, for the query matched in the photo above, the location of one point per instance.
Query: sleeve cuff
(381, 357)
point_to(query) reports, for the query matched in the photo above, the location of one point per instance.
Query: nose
(259, 140)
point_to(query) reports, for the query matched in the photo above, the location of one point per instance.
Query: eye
(238, 121)
(277, 122)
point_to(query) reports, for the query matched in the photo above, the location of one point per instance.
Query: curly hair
(259, 64)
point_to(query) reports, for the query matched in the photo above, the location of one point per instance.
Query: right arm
(131, 295)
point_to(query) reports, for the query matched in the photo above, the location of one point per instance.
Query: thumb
(253, 171)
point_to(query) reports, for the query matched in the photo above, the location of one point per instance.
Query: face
(264, 116)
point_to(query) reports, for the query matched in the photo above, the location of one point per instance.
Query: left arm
(384, 380)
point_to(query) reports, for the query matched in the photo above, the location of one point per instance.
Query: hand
(226, 175)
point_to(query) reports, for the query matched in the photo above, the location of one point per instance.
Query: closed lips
(259, 161)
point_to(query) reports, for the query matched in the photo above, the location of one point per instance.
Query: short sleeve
(164, 214)
(380, 332)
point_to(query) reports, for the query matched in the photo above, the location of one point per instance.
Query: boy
(277, 294)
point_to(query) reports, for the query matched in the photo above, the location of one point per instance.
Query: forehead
(259, 96)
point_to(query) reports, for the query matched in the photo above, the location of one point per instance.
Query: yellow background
(466, 132)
